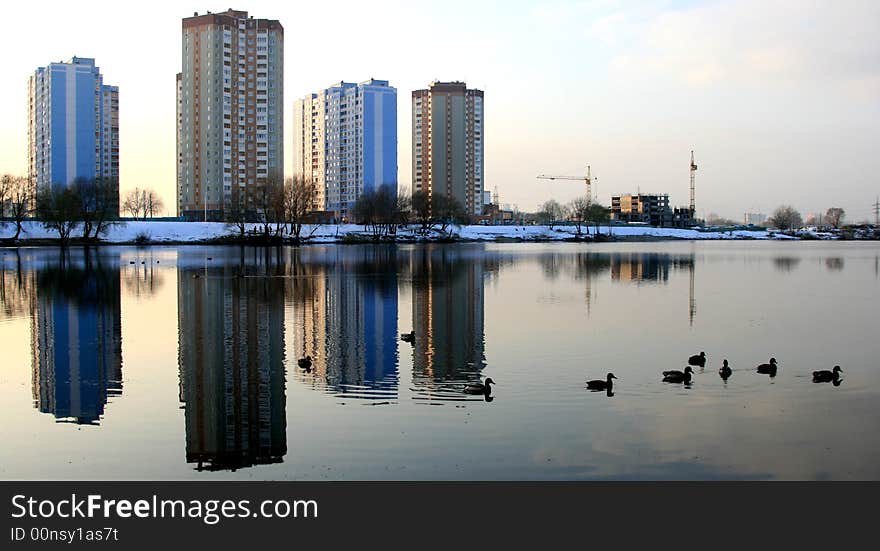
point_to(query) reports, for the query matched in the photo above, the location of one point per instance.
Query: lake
(183, 362)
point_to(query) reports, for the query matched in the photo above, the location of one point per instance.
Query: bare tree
(421, 208)
(18, 202)
(268, 202)
(98, 200)
(59, 209)
(377, 209)
(299, 197)
(403, 207)
(834, 217)
(142, 203)
(598, 215)
(235, 209)
(151, 203)
(131, 204)
(579, 210)
(447, 210)
(551, 212)
(786, 217)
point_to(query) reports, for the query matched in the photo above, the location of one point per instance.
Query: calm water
(181, 363)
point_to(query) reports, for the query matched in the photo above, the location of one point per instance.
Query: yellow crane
(588, 179)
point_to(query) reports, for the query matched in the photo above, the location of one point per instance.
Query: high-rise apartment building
(73, 125)
(447, 143)
(230, 112)
(345, 142)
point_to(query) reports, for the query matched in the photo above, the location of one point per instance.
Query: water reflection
(635, 267)
(448, 320)
(16, 288)
(231, 360)
(345, 317)
(834, 263)
(143, 278)
(246, 315)
(76, 337)
(786, 263)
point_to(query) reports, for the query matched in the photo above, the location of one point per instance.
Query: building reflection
(635, 268)
(76, 337)
(448, 316)
(345, 317)
(641, 267)
(231, 360)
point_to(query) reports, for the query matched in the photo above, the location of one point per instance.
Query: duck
(408, 337)
(305, 363)
(825, 376)
(769, 368)
(725, 371)
(676, 376)
(599, 384)
(698, 359)
(478, 387)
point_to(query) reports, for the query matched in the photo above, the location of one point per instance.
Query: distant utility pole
(877, 212)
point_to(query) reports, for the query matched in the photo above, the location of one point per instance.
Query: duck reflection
(76, 337)
(231, 360)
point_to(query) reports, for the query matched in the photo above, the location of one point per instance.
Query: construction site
(652, 209)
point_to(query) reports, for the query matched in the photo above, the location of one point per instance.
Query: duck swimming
(698, 359)
(408, 337)
(825, 376)
(479, 388)
(725, 371)
(305, 363)
(599, 384)
(676, 376)
(768, 369)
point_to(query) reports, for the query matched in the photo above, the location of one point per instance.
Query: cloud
(754, 42)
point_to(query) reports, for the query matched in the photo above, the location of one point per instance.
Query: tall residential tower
(230, 102)
(345, 142)
(73, 125)
(447, 143)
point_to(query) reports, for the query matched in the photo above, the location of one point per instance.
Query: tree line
(88, 204)
(580, 211)
(787, 218)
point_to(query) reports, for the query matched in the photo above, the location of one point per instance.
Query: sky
(779, 99)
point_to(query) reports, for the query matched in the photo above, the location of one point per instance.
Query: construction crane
(588, 179)
(693, 174)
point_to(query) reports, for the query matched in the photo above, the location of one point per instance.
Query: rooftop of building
(452, 86)
(229, 17)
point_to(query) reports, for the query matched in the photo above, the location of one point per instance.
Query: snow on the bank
(159, 232)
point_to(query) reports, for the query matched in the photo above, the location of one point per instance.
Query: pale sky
(780, 99)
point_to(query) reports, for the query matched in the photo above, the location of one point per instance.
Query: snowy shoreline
(162, 232)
